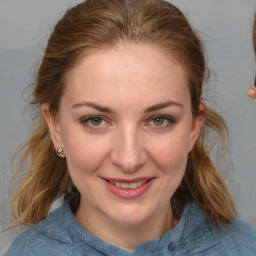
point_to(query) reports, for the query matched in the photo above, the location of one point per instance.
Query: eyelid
(170, 119)
(84, 121)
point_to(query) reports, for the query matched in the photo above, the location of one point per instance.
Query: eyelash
(170, 121)
(86, 121)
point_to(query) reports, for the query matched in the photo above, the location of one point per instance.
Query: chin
(130, 215)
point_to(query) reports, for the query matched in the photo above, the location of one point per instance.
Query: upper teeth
(128, 185)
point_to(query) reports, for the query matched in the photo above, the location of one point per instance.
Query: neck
(123, 235)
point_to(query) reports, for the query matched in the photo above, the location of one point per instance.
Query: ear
(53, 126)
(196, 126)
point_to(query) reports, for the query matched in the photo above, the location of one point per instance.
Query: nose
(128, 152)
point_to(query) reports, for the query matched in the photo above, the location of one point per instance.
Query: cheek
(84, 153)
(172, 161)
(171, 154)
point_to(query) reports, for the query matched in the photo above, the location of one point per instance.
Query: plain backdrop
(224, 26)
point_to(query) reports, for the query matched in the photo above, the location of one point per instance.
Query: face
(126, 127)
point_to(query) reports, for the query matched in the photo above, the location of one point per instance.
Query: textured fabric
(61, 235)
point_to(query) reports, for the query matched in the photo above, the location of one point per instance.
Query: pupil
(158, 121)
(96, 121)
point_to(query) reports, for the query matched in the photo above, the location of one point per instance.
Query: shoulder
(48, 237)
(240, 236)
(235, 238)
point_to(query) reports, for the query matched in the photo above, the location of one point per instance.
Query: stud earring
(60, 151)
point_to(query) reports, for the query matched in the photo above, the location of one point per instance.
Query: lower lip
(129, 193)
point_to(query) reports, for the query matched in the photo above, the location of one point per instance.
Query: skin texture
(126, 140)
(252, 92)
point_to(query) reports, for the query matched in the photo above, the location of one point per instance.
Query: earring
(59, 151)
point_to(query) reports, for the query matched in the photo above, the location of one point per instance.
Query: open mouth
(128, 185)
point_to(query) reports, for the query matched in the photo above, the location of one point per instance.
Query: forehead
(126, 70)
(125, 52)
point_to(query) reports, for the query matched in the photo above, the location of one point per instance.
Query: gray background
(225, 27)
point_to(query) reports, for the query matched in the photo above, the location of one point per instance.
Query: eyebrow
(110, 111)
(93, 105)
(162, 105)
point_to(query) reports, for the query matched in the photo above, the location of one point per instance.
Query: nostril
(128, 153)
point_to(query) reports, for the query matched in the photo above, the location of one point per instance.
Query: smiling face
(126, 127)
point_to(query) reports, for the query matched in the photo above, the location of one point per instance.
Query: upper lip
(127, 180)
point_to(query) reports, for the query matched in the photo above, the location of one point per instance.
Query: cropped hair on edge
(254, 33)
(254, 40)
(104, 24)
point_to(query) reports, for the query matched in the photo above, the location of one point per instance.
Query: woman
(122, 135)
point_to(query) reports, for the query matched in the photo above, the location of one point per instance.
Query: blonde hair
(97, 24)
